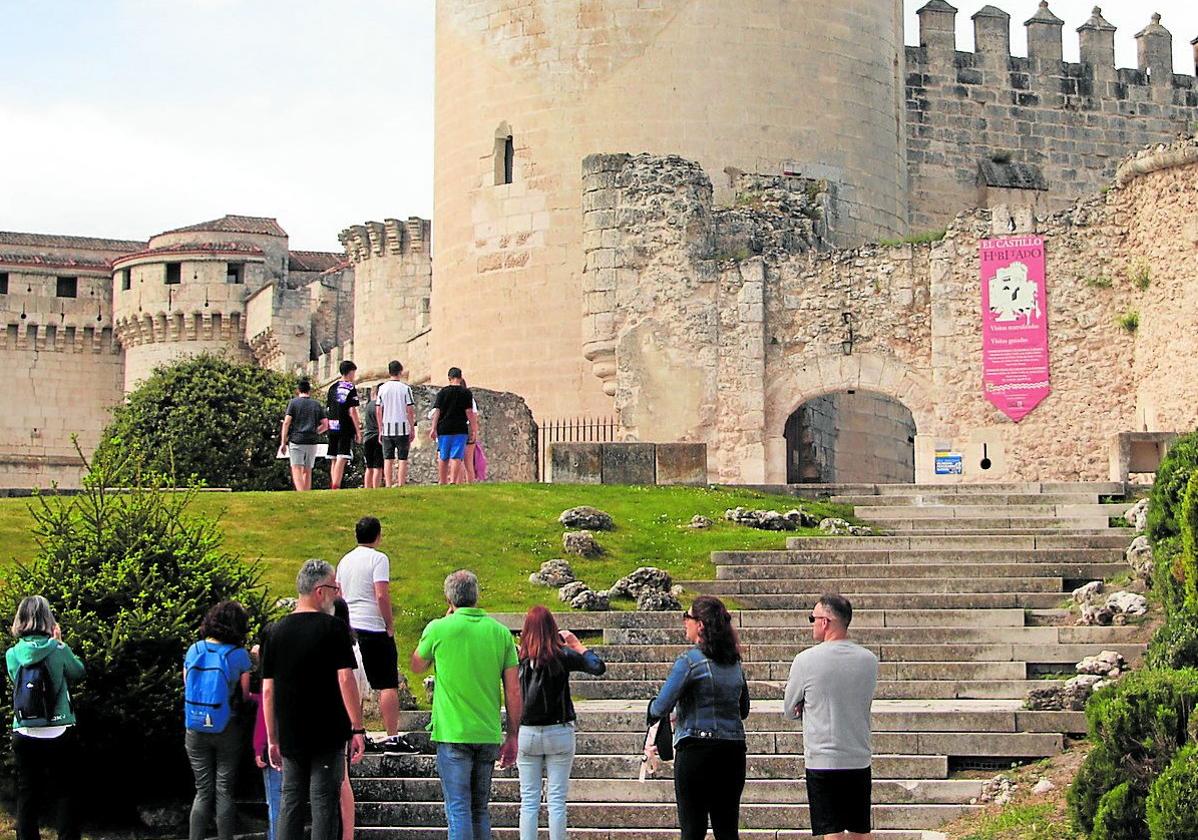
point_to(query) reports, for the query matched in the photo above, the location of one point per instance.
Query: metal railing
(571, 430)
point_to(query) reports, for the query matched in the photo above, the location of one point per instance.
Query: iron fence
(571, 430)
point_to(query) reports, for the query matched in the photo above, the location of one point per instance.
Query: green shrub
(1168, 574)
(1120, 815)
(206, 417)
(1140, 275)
(1173, 799)
(1167, 489)
(1129, 321)
(1175, 643)
(1187, 518)
(1099, 281)
(130, 576)
(1136, 725)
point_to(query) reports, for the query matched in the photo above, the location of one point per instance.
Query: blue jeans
(549, 749)
(465, 771)
(272, 784)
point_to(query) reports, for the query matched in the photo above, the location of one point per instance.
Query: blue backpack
(206, 691)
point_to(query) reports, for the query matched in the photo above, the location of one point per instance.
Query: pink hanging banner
(1014, 324)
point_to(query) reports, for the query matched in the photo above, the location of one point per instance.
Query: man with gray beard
(311, 704)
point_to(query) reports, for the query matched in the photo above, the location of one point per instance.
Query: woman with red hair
(547, 656)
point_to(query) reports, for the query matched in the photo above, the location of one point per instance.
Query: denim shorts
(451, 447)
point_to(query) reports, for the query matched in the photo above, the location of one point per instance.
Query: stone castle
(720, 287)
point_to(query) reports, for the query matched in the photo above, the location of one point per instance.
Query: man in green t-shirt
(474, 656)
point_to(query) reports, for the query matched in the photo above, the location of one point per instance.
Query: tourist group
(385, 427)
(301, 689)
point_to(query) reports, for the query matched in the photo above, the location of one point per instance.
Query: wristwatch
(357, 732)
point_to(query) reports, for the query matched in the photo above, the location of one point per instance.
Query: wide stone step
(1097, 488)
(1013, 573)
(995, 542)
(961, 499)
(887, 689)
(906, 557)
(931, 632)
(631, 790)
(501, 833)
(962, 528)
(890, 583)
(653, 815)
(619, 620)
(1039, 654)
(781, 670)
(991, 524)
(628, 765)
(878, 513)
(790, 594)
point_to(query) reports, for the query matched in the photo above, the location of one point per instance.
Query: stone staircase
(960, 596)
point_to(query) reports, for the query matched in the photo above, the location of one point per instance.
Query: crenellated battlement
(58, 338)
(154, 328)
(390, 237)
(937, 51)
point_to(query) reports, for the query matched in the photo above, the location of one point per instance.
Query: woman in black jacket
(547, 656)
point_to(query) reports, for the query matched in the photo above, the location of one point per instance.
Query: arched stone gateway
(857, 385)
(850, 437)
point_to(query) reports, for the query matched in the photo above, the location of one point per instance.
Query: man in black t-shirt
(303, 424)
(454, 423)
(311, 704)
(345, 427)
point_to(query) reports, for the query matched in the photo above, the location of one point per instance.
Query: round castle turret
(525, 92)
(185, 293)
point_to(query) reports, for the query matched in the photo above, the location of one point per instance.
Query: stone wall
(1072, 122)
(852, 437)
(723, 346)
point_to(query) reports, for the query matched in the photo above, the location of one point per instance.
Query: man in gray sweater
(831, 688)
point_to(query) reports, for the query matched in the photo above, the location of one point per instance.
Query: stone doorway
(850, 437)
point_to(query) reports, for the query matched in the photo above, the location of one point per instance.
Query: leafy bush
(208, 417)
(1129, 320)
(1175, 644)
(1171, 479)
(1173, 799)
(130, 576)
(1136, 725)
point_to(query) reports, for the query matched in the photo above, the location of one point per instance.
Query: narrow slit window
(235, 273)
(126, 279)
(67, 287)
(174, 274)
(505, 158)
(3, 282)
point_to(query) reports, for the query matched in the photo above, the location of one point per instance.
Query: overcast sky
(127, 117)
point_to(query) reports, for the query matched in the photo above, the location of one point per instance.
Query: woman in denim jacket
(707, 688)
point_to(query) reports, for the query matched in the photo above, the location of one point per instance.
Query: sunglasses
(686, 616)
(814, 618)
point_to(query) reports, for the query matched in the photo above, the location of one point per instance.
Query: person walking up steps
(345, 426)
(831, 688)
(396, 417)
(707, 687)
(474, 655)
(45, 751)
(547, 656)
(216, 677)
(454, 423)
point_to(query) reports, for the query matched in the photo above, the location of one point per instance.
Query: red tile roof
(87, 264)
(50, 240)
(314, 260)
(236, 224)
(235, 248)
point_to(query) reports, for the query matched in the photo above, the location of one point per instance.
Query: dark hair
(346, 366)
(540, 643)
(394, 368)
(455, 373)
(227, 622)
(367, 530)
(718, 640)
(304, 386)
(839, 606)
(341, 612)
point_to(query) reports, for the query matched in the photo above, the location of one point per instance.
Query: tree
(205, 417)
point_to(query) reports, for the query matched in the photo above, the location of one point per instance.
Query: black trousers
(46, 778)
(709, 777)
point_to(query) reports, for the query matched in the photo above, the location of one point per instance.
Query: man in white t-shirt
(365, 578)
(397, 425)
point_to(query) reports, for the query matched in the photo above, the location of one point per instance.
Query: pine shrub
(1173, 799)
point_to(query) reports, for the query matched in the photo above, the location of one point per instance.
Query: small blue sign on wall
(948, 463)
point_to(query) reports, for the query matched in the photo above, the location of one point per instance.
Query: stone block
(682, 463)
(629, 463)
(576, 463)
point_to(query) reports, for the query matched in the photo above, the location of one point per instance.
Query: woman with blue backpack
(216, 676)
(40, 666)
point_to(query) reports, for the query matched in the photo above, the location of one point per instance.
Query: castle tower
(393, 276)
(526, 90)
(185, 293)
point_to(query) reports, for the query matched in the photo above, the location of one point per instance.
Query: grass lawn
(503, 532)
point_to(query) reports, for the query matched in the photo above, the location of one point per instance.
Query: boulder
(590, 600)
(1137, 515)
(698, 522)
(587, 518)
(555, 573)
(581, 544)
(834, 526)
(1086, 594)
(1109, 664)
(570, 591)
(1042, 787)
(652, 600)
(998, 790)
(801, 518)
(1044, 698)
(1139, 557)
(1096, 615)
(764, 520)
(644, 579)
(1128, 603)
(1076, 691)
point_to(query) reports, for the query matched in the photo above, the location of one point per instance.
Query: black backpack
(34, 698)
